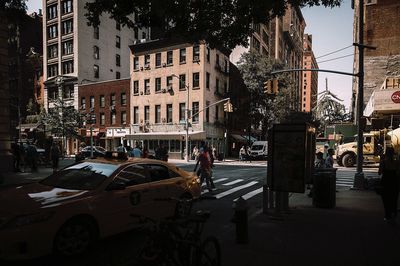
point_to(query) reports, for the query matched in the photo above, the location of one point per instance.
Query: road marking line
(233, 182)
(216, 181)
(233, 190)
(251, 194)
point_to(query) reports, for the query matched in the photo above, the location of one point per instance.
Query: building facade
(382, 30)
(107, 105)
(170, 78)
(309, 93)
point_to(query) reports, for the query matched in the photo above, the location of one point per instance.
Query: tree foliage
(265, 109)
(329, 109)
(220, 22)
(62, 120)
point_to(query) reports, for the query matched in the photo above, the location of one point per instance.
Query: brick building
(381, 29)
(309, 91)
(108, 102)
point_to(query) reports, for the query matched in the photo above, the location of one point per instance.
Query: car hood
(349, 145)
(31, 197)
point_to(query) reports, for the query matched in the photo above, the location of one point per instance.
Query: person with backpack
(205, 168)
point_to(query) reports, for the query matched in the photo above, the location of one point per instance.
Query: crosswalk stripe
(233, 182)
(233, 190)
(217, 181)
(251, 194)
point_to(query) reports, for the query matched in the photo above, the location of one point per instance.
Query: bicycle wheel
(210, 253)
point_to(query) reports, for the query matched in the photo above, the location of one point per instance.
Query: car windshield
(257, 147)
(82, 176)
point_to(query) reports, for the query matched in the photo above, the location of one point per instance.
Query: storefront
(115, 136)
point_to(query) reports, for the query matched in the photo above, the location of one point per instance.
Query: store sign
(396, 97)
(117, 132)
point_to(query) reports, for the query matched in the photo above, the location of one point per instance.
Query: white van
(259, 149)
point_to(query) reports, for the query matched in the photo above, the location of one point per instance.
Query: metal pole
(91, 141)
(187, 125)
(359, 176)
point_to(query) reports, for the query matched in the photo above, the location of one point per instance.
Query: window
(113, 118)
(136, 87)
(196, 80)
(68, 67)
(182, 110)
(96, 52)
(157, 118)
(217, 85)
(96, 32)
(158, 59)
(147, 86)
(117, 60)
(83, 103)
(52, 94)
(135, 114)
(132, 175)
(170, 57)
(136, 63)
(67, 47)
(68, 91)
(67, 6)
(159, 172)
(182, 82)
(102, 101)
(52, 51)
(117, 25)
(157, 84)
(91, 102)
(169, 82)
(146, 113)
(195, 109)
(182, 55)
(196, 53)
(52, 70)
(169, 113)
(226, 66)
(207, 80)
(123, 98)
(208, 54)
(217, 59)
(117, 75)
(52, 31)
(51, 12)
(117, 41)
(216, 113)
(96, 71)
(207, 112)
(143, 35)
(147, 60)
(67, 26)
(102, 119)
(123, 117)
(112, 99)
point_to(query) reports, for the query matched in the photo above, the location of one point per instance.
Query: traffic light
(226, 107)
(268, 87)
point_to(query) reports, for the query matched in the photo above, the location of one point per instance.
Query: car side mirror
(116, 186)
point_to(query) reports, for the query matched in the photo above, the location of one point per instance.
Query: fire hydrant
(241, 220)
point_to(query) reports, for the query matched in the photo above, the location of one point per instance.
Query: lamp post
(60, 83)
(186, 118)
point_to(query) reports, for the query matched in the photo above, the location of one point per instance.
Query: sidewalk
(353, 233)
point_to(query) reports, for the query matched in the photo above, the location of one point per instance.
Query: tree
(62, 121)
(265, 109)
(329, 109)
(220, 22)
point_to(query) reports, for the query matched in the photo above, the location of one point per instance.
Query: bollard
(241, 220)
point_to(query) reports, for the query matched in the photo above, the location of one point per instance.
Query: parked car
(259, 150)
(98, 151)
(69, 210)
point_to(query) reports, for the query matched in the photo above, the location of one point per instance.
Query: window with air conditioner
(169, 82)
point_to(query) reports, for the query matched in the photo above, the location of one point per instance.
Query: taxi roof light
(116, 155)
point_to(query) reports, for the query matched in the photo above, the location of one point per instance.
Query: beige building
(169, 76)
(309, 91)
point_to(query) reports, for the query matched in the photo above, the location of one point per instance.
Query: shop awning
(243, 138)
(193, 135)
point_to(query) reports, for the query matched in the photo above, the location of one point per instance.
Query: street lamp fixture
(186, 117)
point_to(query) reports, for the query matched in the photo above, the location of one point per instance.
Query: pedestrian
(22, 154)
(195, 153)
(55, 156)
(145, 153)
(329, 158)
(137, 152)
(248, 153)
(31, 155)
(319, 160)
(16, 156)
(389, 169)
(242, 153)
(205, 167)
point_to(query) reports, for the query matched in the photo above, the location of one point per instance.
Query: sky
(331, 29)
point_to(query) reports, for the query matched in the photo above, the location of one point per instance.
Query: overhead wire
(335, 51)
(336, 58)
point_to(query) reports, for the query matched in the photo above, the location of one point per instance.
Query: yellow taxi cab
(67, 211)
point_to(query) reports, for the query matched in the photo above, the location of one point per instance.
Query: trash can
(220, 156)
(324, 188)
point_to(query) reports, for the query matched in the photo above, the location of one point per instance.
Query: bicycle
(178, 242)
